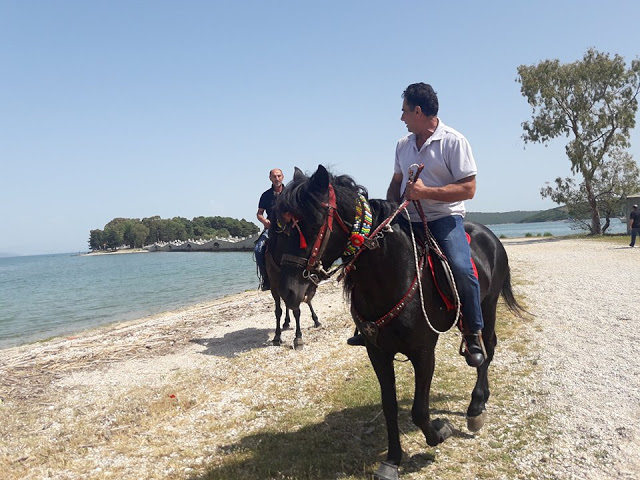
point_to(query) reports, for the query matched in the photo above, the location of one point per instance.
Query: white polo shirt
(447, 159)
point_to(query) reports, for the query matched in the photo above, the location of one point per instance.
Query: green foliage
(96, 239)
(136, 233)
(518, 216)
(551, 215)
(594, 103)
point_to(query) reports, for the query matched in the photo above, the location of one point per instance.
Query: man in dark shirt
(634, 224)
(265, 205)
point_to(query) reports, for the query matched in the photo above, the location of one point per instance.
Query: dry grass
(256, 413)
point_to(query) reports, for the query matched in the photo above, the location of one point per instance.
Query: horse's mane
(300, 200)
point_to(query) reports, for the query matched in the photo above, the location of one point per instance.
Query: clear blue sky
(180, 108)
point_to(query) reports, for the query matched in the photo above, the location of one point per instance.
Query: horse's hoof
(286, 327)
(443, 428)
(298, 343)
(386, 471)
(476, 423)
(276, 342)
(317, 324)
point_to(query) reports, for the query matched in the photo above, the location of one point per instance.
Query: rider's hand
(413, 190)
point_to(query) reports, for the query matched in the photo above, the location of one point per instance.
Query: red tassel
(303, 242)
(357, 239)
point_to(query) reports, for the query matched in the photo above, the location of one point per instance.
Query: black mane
(300, 200)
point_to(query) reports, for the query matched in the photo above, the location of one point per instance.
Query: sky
(180, 108)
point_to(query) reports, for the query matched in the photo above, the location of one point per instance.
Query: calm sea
(557, 229)
(50, 295)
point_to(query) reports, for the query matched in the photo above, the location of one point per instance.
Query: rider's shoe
(356, 340)
(474, 349)
(266, 285)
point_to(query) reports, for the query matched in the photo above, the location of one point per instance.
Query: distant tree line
(578, 212)
(137, 233)
(519, 216)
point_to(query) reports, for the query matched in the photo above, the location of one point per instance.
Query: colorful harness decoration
(361, 226)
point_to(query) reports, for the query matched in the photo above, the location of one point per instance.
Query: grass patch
(350, 439)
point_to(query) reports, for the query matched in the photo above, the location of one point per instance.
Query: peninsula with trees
(136, 233)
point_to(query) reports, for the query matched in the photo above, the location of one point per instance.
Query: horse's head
(316, 213)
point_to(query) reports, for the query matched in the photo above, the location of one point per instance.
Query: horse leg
(437, 431)
(287, 321)
(298, 343)
(383, 366)
(276, 339)
(477, 411)
(316, 323)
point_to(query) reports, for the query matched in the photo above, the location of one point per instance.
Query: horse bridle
(313, 268)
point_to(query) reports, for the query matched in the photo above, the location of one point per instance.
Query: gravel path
(85, 406)
(587, 312)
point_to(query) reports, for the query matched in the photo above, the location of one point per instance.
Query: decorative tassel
(303, 242)
(356, 240)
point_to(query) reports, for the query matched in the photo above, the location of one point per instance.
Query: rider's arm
(261, 218)
(464, 189)
(393, 192)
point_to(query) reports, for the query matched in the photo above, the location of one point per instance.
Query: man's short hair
(422, 95)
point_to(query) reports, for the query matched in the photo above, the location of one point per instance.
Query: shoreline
(117, 252)
(52, 336)
(152, 318)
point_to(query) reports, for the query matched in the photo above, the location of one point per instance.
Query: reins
(371, 242)
(314, 270)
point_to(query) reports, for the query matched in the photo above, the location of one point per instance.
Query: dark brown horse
(379, 287)
(273, 258)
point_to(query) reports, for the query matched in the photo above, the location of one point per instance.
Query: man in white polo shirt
(448, 179)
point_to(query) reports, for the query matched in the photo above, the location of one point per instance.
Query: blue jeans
(450, 235)
(259, 252)
(634, 233)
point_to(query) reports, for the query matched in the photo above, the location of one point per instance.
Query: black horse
(379, 285)
(273, 258)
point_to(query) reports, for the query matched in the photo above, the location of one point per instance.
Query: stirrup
(464, 350)
(357, 340)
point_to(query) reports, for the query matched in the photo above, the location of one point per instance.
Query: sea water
(51, 295)
(556, 229)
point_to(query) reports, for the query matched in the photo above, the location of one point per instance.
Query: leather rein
(314, 270)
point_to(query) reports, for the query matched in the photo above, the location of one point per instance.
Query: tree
(617, 178)
(593, 102)
(96, 239)
(135, 233)
(113, 237)
(153, 224)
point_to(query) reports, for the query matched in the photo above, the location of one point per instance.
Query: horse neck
(383, 275)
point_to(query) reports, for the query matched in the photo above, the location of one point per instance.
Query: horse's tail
(509, 297)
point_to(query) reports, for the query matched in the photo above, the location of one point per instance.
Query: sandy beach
(164, 396)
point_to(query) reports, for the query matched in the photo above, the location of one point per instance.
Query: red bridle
(311, 264)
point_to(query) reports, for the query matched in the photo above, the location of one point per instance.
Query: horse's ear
(298, 175)
(320, 179)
